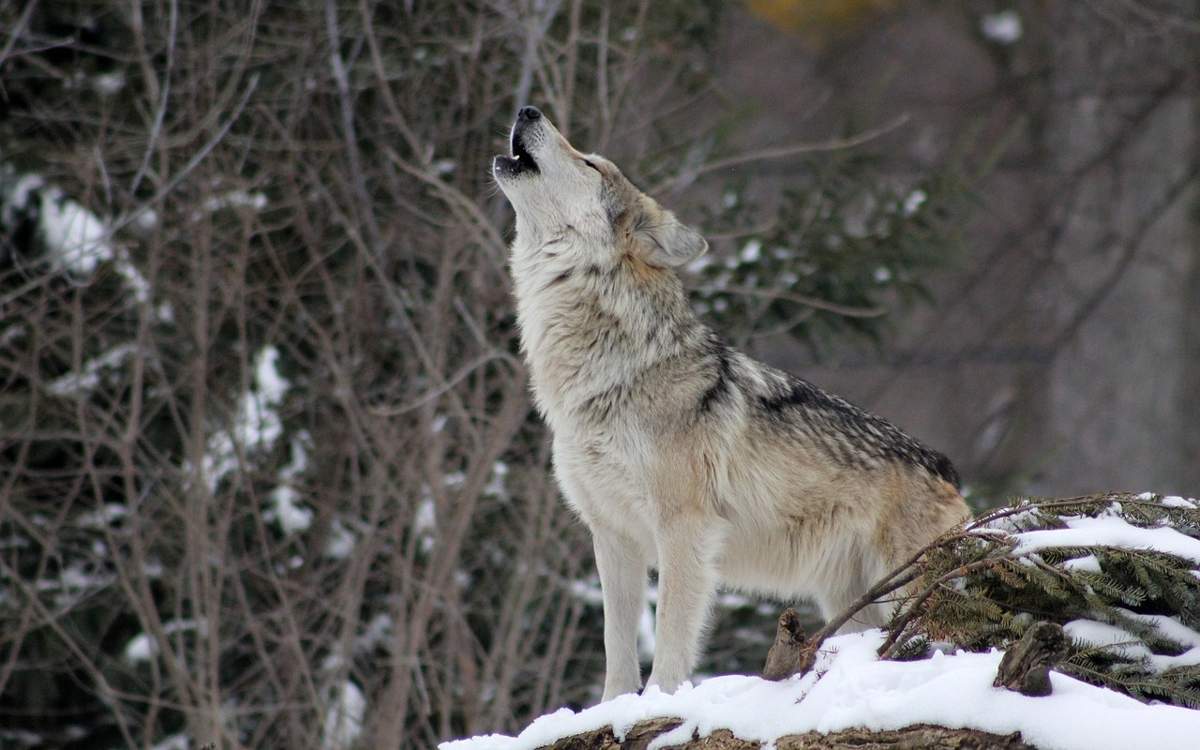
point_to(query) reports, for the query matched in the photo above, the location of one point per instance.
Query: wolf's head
(556, 191)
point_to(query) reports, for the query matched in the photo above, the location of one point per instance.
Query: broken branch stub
(790, 653)
(1026, 665)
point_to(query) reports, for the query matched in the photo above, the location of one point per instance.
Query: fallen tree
(925, 737)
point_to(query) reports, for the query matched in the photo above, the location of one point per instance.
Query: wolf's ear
(665, 241)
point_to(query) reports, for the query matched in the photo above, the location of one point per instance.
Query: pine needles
(1133, 613)
(1121, 575)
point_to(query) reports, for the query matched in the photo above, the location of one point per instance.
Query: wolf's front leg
(687, 550)
(622, 568)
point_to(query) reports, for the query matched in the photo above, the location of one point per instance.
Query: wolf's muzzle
(521, 161)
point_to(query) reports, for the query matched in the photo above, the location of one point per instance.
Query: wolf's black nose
(528, 113)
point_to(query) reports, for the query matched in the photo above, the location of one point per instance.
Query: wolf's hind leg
(870, 616)
(687, 551)
(847, 590)
(622, 570)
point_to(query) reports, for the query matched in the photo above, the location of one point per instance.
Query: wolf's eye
(593, 166)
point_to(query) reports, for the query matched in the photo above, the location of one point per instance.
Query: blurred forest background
(269, 476)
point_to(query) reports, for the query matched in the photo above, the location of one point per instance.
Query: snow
(133, 278)
(77, 238)
(377, 633)
(341, 541)
(1129, 646)
(343, 720)
(1171, 501)
(74, 583)
(913, 201)
(1189, 658)
(1109, 531)
(587, 591)
(142, 647)
(271, 385)
(146, 219)
(425, 524)
(173, 742)
(495, 486)
(733, 600)
(751, 251)
(236, 199)
(1003, 27)
(79, 383)
(851, 688)
(18, 195)
(426, 517)
(1169, 628)
(107, 84)
(285, 499)
(1087, 563)
(291, 515)
(1117, 639)
(257, 423)
(1174, 501)
(645, 640)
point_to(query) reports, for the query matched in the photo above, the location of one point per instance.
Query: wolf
(677, 451)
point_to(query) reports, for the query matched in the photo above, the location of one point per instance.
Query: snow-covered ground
(851, 687)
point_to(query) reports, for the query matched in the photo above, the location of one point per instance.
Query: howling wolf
(677, 451)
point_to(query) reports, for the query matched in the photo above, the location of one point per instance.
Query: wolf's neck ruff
(593, 327)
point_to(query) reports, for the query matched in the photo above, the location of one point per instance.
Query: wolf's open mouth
(520, 153)
(521, 161)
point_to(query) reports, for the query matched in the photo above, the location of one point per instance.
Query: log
(915, 737)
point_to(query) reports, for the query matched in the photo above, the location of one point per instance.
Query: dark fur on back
(851, 435)
(848, 434)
